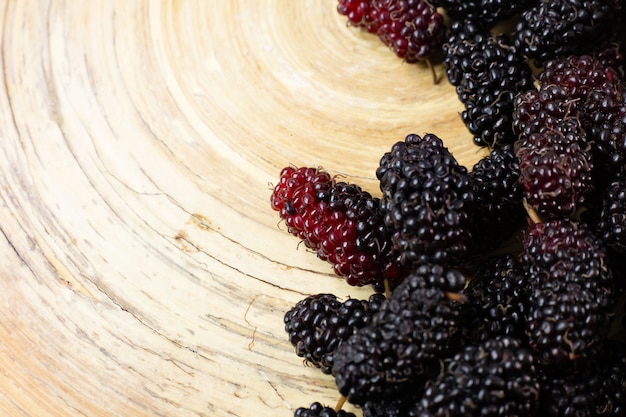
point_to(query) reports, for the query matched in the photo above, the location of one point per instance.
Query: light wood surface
(143, 270)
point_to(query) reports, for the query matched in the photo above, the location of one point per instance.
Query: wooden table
(144, 272)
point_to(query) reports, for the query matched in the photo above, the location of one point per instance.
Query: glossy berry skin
(318, 410)
(427, 201)
(319, 323)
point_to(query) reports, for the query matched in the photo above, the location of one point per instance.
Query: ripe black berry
(399, 350)
(497, 299)
(319, 323)
(427, 201)
(488, 73)
(493, 378)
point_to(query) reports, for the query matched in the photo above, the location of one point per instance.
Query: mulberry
(488, 73)
(496, 299)
(572, 298)
(340, 221)
(413, 29)
(553, 28)
(319, 323)
(427, 201)
(555, 171)
(398, 352)
(493, 378)
(498, 210)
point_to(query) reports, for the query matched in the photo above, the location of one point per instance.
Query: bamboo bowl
(144, 271)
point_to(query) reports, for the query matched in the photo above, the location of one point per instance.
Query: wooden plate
(144, 272)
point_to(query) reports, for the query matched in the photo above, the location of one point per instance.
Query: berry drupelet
(318, 410)
(427, 201)
(396, 354)
(340, 221)
(488, 72)
(319, 323)
(571, 299)
(495, 377)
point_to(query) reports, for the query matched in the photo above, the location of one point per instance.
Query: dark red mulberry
(341, 222)
(572, 298)
(555, 171)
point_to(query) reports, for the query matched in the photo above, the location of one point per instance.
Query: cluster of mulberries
(488, 67)
(496, 290)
